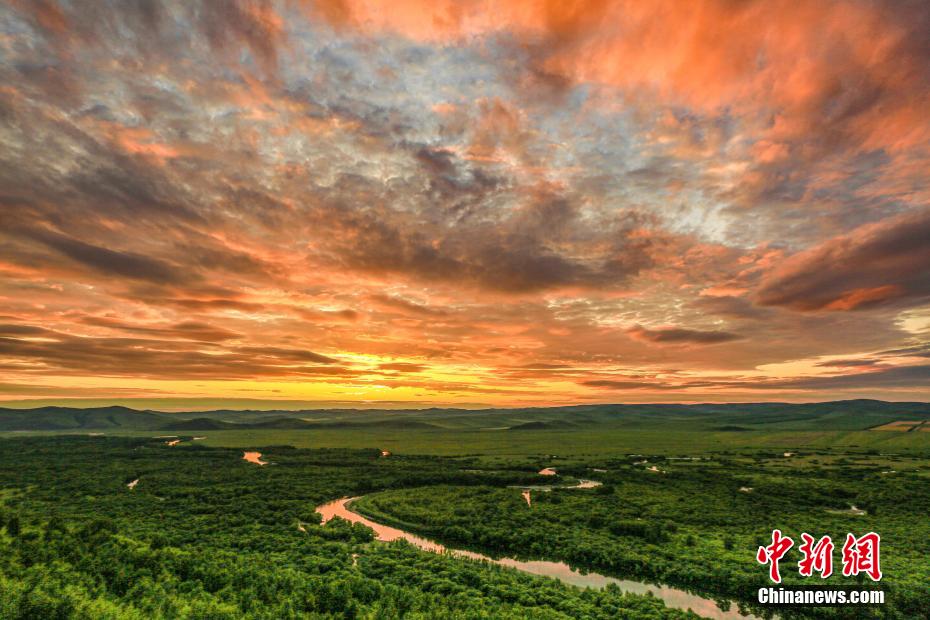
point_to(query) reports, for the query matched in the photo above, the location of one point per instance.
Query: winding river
(672, 597)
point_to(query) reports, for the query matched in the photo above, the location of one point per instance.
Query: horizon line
(23, 405)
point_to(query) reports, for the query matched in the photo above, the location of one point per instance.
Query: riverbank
(388, 529)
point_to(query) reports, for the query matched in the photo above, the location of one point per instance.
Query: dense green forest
(203, 534)
(694, 523)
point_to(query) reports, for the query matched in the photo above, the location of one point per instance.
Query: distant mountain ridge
(68, 418)
(836, 415)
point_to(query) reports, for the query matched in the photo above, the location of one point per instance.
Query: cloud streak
(876, 264)
(678, 335)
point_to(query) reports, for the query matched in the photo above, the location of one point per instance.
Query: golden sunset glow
(411, 204)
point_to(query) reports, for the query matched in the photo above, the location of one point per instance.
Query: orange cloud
(783, 60)
(427, 201)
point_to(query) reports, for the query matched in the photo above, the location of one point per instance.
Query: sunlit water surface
(672, 597)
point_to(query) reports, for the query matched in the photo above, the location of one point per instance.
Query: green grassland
(840, 415)
(563, 443)
(206, 535)
(596, 442)
(583, 430)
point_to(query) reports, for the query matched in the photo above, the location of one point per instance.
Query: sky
(457, 202)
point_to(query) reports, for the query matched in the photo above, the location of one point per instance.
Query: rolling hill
(66, 418)
(838, 415)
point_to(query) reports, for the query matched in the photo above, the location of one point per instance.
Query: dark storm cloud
(521, 254)
(60, 353)
(21, 330)
(877, 264)
(57, 171)
(678, 335)
(111, 262)
(126, 184)
(188, 330)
